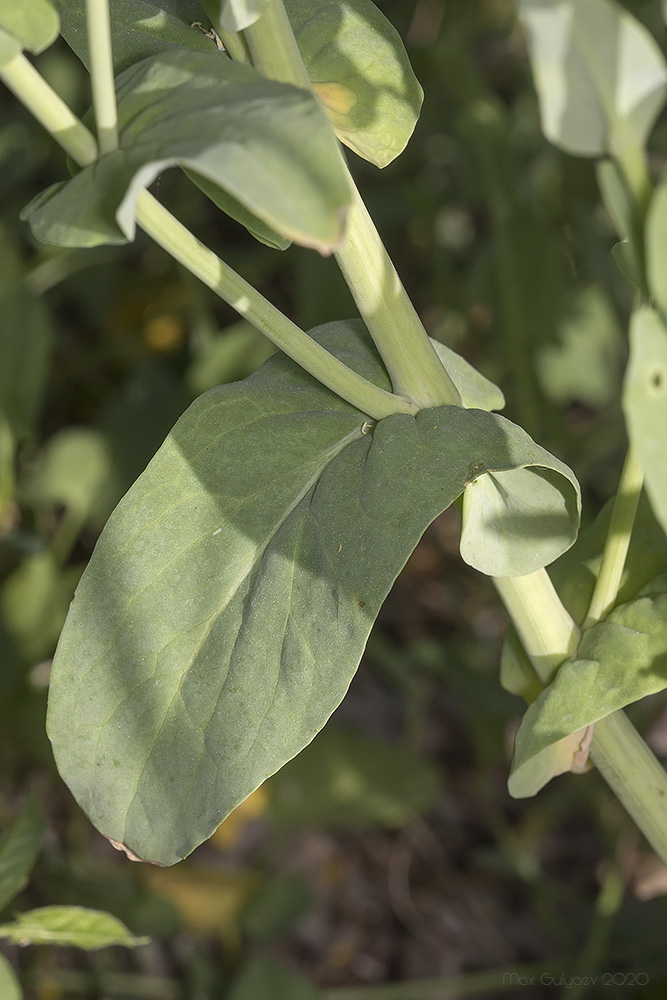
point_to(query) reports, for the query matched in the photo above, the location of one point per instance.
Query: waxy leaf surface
(600, 75)
(620, 660)
(357, 63)
(230, 597)
(139, 28)
(645, 403)
(266, 143)
(71, 926)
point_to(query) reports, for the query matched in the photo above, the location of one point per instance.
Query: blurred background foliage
(389, 849)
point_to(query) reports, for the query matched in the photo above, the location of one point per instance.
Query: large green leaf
(357, 63)
(645, 403)
(139, 28)
(33, 25)
(230, 597)
(620, 660)
(600, 75)
(73, 926)
(266, 143)
(19, 848)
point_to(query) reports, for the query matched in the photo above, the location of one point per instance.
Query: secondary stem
(413, 365)
(618, 751)
(184, 247)
(101, 74)
(618, 540)
(180, 243)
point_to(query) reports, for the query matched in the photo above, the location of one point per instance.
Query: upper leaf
(139, 28)
(645, 403)
(359, 68)
(600, 75)
(266, 143)
(230, 597)
(620, 660)
(34, 25)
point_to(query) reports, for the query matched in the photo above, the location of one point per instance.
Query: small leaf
(619, 661)
(266, 979)
(231, 595)
(10, 988)
(34, 601)
(600, 75)
(139, 28)
(359, 68)
(71, 926)
(475, 389)
(235, 15)
(19, 848)
(520, 519)
(266, 143)
(34, 25)
(645, 403)
(72, 471)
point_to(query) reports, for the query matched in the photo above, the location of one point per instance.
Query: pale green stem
(413, 365)
(547, 632)
(101, 74)
(634, 774)
(233, 41)
(50, 111)
(549, 636)
(618, 541)
(179, 242)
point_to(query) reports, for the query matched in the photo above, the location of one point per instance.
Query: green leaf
(73, 471)
(656, 244)
(233, 207)
(231, 595)
(26, 337)
(235, 15)
(519, 519)
(585, 365)
(19, 848)
(645, 403)
(600, 75)
(34, 25)
(474, 388)
(266, 979)
(34, 602)
(139, 28)
(10, 988)
(266, 143)
(71, 926)
(619, 661)
(346, 779)
(359, 68)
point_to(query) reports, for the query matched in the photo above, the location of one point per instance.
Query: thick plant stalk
(413, 365)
